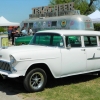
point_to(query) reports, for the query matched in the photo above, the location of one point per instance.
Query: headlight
(12, 64)
(12, 60)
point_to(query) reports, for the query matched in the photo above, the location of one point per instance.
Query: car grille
(4, 66)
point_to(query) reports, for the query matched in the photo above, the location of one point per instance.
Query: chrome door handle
(82, 49)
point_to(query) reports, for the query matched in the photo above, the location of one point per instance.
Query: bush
(97, 26)
(2, 29)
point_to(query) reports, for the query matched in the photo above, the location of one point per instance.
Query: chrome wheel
(36, 80)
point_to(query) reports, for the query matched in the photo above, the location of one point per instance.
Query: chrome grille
(4, 66)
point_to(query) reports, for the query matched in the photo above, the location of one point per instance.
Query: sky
(19, 10)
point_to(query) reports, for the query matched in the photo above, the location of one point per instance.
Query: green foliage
(54, 2)
(97, 27)
(2, 29)
(81, 5)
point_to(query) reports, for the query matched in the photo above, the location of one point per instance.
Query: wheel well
(42, 66)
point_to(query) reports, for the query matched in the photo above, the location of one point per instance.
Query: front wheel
(35, 80)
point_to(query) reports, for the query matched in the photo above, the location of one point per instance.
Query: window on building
(54, 23)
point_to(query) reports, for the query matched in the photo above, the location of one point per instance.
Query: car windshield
(47, 39)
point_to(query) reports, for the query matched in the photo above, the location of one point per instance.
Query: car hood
(29, 52)
(24, 48)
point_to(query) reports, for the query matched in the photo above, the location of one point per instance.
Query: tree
(89, 6)
(97, 26)
(85, 6)
(54, 2)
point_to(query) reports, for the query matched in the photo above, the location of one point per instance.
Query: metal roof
(72, 32)
(56, 18)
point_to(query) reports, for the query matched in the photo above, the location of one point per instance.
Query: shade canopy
(95, 16)
(5, 22)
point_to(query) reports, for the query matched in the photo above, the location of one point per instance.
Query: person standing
(30, 31)
(99, 40)
(24, 32)
(12, 34)
(9, 34)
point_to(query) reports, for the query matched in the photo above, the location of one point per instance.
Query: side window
(57, 41)
(43, 40)
(74, 41)
(90, 41)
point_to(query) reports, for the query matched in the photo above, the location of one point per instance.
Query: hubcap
(36, 80)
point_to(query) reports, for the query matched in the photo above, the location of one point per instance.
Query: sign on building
(56, 10)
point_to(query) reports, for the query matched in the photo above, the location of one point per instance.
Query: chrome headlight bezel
(12, 60)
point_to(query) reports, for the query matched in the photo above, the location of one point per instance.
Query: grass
(82, 87)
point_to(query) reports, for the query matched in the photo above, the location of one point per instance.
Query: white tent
(95, 16)
(5, 22)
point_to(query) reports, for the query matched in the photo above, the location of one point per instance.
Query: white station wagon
(59, 53)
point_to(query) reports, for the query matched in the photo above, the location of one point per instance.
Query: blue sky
(19, 10)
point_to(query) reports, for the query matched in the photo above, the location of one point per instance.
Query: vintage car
(51, 53)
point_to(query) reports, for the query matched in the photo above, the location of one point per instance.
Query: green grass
(82, 87)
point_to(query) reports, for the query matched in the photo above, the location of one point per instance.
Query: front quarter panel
(50, 57)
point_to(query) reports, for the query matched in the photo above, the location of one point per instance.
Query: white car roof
(72, 32)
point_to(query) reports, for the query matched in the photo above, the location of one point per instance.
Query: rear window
(90, 41)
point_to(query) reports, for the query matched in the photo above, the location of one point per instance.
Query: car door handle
(82, 49)
(98, 49)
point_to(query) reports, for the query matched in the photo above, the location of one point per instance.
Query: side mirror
(69, 46)
(61, 44)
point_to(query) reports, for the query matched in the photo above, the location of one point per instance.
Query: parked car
(59, 53)
(22, 40)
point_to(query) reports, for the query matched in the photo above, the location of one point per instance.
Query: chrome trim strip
(95, 58)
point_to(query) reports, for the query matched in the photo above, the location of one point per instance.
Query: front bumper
(10, 74)
(13, 72)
